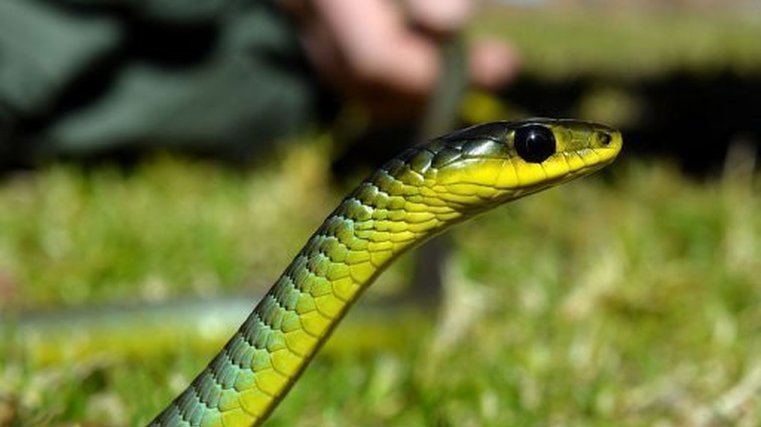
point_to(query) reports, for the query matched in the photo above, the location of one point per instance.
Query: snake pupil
(534, 143)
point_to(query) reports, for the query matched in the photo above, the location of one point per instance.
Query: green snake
(416, 195)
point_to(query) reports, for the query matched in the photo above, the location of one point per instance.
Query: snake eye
(534, 143)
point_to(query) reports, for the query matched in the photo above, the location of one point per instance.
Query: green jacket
(81, 78)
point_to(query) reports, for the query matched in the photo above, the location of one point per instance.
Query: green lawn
(627, 44)
(626, 299)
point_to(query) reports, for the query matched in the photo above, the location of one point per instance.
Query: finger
(441, 16)
(493, 64)
(377, 46)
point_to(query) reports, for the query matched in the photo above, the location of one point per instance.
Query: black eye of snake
(534, 143)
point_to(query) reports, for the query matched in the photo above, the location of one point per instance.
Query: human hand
(385, 54)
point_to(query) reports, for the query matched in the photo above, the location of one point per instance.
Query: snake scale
(414, 196)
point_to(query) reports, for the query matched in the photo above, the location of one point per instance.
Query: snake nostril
(605, 139)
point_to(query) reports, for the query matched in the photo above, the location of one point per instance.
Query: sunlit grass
(631, 298)
(627, 43)
(164, 228)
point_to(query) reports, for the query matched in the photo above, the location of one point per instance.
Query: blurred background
(162, 162)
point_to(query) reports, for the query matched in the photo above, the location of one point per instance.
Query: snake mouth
(605, 157)
(602, 158)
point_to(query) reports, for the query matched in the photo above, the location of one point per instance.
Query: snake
(416, 195)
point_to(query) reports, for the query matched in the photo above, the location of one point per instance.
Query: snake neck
(384, 216)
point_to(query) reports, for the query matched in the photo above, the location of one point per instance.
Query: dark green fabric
(86, 77)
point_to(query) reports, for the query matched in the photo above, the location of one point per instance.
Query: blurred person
(80, 79)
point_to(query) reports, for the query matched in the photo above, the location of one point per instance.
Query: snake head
(483, 165)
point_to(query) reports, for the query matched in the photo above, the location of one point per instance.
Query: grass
(627, 299)
(610, 43)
